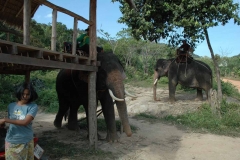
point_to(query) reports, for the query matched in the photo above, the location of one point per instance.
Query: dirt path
(155, 141)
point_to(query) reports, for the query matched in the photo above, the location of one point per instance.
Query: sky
(225, 40)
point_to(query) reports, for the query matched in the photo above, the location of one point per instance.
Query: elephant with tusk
(195, 74)
(72, 91)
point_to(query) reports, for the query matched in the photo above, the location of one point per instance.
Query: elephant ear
(101, 79)
(166, 65)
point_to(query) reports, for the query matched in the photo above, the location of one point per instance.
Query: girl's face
(25, 96)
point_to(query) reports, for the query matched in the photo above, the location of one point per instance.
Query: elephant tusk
(127, 93)
(155, 81)
(113, 97)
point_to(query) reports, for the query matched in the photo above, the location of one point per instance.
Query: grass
(227, 122)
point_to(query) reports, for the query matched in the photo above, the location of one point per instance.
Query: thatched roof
(11, 11)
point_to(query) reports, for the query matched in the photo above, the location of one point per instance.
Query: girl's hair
(32, 92)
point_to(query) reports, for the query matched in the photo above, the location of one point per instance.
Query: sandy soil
(156, 141)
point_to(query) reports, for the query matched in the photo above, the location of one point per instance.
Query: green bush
(48, 100)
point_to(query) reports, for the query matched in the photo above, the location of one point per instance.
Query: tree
(161, 19)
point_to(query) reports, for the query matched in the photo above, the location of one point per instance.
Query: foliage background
(137, 56)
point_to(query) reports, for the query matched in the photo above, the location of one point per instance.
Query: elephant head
(160, 70)
(110, 85)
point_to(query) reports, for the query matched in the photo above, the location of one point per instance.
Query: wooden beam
(14, 59)
(63, 10)
(11, 31)
(54, 30)
(26, 21)
(19, 12)
(74, 40)
(5, 4)
(92, 117)
(32, 13)
(12, 72)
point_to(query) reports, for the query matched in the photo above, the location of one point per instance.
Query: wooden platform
(17, 58)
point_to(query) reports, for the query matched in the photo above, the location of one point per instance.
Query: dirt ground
(157, 141)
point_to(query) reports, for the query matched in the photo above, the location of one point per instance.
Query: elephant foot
(112, 137)
(73, 126)
(57, 124)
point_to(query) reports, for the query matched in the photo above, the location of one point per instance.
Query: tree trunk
(217, 71)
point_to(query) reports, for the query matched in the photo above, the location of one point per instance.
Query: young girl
(19, 140)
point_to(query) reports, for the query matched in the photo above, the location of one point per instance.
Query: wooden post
(92, 117)
(92, 106)
(54, 30)
(92, 36)
(8, 36)
(74, 40)
(26, 22)
(27, 76)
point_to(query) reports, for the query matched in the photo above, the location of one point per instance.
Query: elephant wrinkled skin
(195, 74)
(72, 91)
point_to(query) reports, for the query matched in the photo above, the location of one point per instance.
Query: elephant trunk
(115, 84)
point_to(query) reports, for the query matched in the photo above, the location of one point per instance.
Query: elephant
(72, 91)
(193, 74)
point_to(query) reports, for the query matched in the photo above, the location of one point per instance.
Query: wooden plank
(93, 139)
(19, 11)
(12, 72)
(26, 21)
(17, 33)
(74, 40)
(30, 49)
(54, 30)
(8, 58)
(63, 10)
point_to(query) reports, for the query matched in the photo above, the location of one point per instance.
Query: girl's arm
(23, 122)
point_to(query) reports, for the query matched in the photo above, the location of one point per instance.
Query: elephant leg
(63, 108)
(172, 90)
(199, 95)
(109, 115)
(73, 115)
